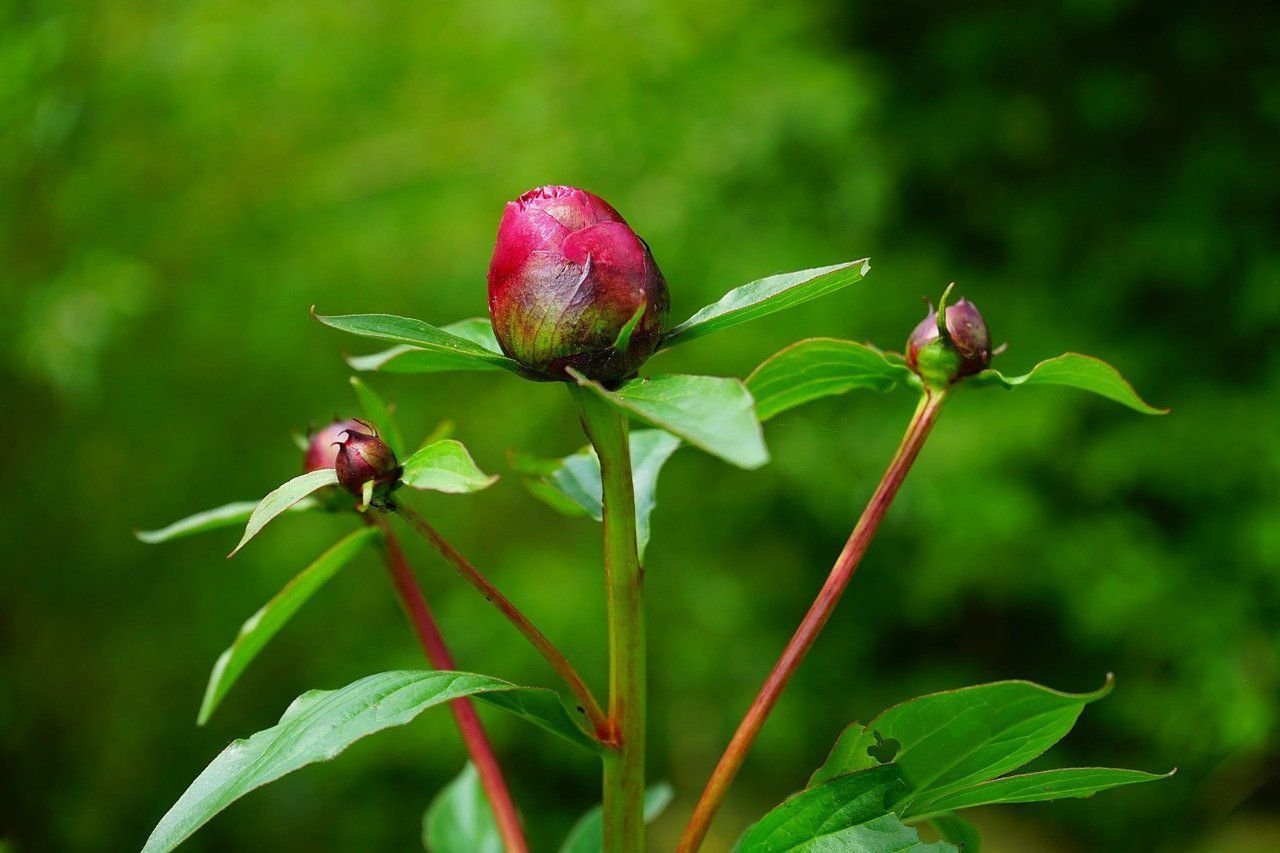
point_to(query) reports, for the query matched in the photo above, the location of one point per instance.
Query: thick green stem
(624, 589)
(819, 612)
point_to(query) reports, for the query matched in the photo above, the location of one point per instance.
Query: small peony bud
(965, 351)
(572, 286)
(322, 444)
(363, 457)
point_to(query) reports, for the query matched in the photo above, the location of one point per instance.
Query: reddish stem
(820, 611)
(464, 712)
(589, 706)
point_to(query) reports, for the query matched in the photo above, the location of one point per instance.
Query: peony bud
(572, 286)
(322, 444)
(363, 458)
(965, 351)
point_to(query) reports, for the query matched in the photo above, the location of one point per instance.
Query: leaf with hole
(572, 485)
(951, 740)
(711, 413)
(258, 630)
(229, 515)
(822, 367)
(851, 813)
(587, 835)
(766, 296)
(433, 349)
(445, 466)
(460, 819)
(284, 497)
(1073, 370)
(322, 723)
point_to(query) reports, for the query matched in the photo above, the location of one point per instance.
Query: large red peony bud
(572, 286)
(322, 444)
(966, 350)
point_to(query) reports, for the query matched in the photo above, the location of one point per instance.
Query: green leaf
(378, 413)
(587, 835)
(958, 831)
(460, 819)
(947, 741)
(445, 466)
(851, 813)
(1078, 371)
(1039, 787)
(709, 412)
(283, 498)
(572, 485)
(267, 622)
(765, 296)
(230, 515)
(821, 367)
(322, 723)
(423, 348)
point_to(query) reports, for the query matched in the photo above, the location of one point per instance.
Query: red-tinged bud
(964, 351)
(572, 286)
(362, 458)
(322, 444)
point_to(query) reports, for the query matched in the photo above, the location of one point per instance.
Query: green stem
(819, 612)
(624, 590)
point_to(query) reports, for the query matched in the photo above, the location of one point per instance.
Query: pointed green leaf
(283, 498)
(1038, 787)
(437, 349)
(572, 484)
(1078, 371)
(709, 412)
(378, 413)
(850, 813)
(460, 819)
(947, 741)
(958, 831)
(587, 835)
(267, 622)
(445, 466)
(765, 296)
(821, 367)
(230, 515)
(321, 724)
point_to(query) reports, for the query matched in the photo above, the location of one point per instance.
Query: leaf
(572, 484)
(1078, 371)
(765, 296)
(423, 348)
(445, 466)
(379, 414)
(282, 499)
(322, 723)
(821, 367)
(709, 412)
(460, 819)
(947, 741)
(850, 813)
(230, 515)
(1039, 787)
(958, 831)
(267, 622)
(587, 835)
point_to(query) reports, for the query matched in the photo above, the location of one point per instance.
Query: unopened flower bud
(322, 444)
(362, 458)
(572, 286)
(964, 351)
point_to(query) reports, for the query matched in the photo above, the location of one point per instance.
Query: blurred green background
(180, 182)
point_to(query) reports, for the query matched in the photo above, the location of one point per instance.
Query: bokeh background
(179, 183)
